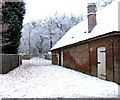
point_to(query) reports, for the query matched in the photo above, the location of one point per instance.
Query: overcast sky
(37, 9)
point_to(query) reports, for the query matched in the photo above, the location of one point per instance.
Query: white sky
(37, 9)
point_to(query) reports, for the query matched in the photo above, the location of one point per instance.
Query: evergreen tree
(12, 17)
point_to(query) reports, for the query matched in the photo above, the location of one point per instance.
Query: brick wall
(107, 43)
(117, 59)
(112, 45)
(83, 57)
(77, 57)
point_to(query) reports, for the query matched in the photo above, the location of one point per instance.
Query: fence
(8, 62)
(36, 61)
(26, 56)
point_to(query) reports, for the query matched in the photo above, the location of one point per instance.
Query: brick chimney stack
(91, 16)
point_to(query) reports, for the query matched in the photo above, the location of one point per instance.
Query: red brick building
(92, 46)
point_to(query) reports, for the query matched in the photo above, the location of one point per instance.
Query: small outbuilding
(93, 45)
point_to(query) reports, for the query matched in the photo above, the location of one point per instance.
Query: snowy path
(39, 78)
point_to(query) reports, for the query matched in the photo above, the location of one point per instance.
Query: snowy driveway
(38, 78)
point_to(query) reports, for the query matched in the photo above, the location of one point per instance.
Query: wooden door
(101, 62)
(61, 58)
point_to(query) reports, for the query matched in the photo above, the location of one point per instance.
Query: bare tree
(102, 3)
(43, 34)
(59, 25)
(39, 44)
(26, 38)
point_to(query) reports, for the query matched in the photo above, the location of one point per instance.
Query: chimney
(91, 16)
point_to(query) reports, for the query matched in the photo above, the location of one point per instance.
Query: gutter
(91, 39)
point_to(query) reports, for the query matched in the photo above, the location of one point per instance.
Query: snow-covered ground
(38, 78)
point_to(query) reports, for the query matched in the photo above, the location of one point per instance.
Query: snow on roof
(73, 35)
(107, 21)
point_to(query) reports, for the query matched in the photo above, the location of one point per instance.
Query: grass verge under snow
(38, 78)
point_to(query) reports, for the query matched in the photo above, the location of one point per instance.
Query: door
(61, 58)
(101, 62)
(58, 59)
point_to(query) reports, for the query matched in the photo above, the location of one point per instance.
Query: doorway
(60, 58)
(101, 62)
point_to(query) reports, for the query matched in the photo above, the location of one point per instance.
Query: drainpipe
(59, 57)
(113, 58)
(89, 59)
